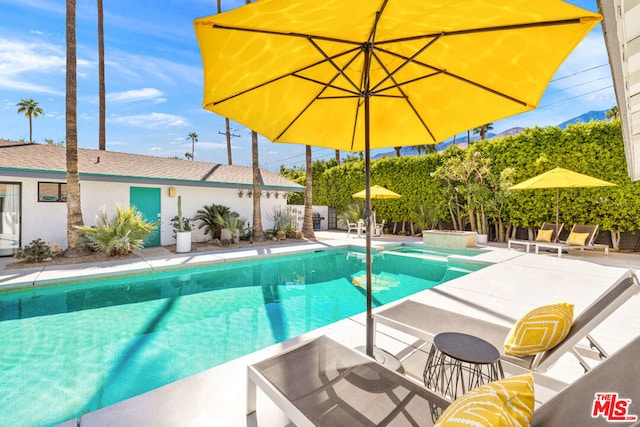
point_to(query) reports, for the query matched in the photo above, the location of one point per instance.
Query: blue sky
(154, 80)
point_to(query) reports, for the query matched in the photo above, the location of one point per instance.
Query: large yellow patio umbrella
(357, 75)
(560, 178)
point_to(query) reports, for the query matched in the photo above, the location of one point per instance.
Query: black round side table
(459, 362)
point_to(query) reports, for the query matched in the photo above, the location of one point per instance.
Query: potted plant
(183, 231)
(230, 226)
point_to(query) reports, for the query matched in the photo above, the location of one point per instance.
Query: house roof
(621, 28)
(47, 161)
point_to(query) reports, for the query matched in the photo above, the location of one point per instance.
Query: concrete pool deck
(502, 292)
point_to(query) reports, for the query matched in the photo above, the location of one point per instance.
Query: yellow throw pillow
(544, 235)
(541, 329)
(577, 239)
(502, 403)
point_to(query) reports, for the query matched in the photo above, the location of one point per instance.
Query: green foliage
(594, 148)
(121, 234)
(36, 251)
(425, 217)
(208, 218)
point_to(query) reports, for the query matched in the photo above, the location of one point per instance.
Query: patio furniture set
(322, 382)
(580, 237)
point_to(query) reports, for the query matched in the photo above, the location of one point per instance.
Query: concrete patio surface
(515, 283)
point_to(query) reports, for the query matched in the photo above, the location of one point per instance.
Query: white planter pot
(183, 241)
(482, 239)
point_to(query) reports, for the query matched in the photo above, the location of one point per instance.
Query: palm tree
(307, 223)
(613, 113)
(482, 130)
(194, 138)
(426, 148)
(30, 109)
(398, 154)
(74, 212)
(338, 157)
(188, 155)
(102, 143)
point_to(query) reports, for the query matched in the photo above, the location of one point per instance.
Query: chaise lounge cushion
(506, 402)
(544, 236)
(577, 239)
(539, 330)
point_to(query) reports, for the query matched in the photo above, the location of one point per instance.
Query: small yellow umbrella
(560, 178)
(377, 192)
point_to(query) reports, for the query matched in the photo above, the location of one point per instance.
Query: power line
(579, 72)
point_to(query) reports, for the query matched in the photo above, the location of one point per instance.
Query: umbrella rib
(441, 71)
(293, 73)
(406, 62)
(404, 95)
(286, 34)
(485, 29)
(334, 65)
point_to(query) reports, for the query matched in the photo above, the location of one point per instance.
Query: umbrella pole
(557, 207)
(367, 222)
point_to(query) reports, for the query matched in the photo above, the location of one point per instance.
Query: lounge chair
(425, 321)
(555, 232)
(590, 230)
(323, 383)
(574, 406)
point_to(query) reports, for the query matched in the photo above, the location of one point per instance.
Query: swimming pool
(80, 347)
(435, 252)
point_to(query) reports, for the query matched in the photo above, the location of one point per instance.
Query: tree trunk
(30, 129)
(307, 224)
(615, 240)
(102, 142)
(397, 151)
(338, 157)
(74, 212)
(258, 234)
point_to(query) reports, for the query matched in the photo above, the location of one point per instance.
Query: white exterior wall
(322, 210)
(48, 221)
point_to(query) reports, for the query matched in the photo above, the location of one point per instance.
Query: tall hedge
(594, 148)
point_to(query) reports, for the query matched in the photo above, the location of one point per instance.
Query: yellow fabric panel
(577, 239)
(544, 235)
(539, 330)
(504, 403)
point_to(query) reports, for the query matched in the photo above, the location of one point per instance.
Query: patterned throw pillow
(539, 330)
(544, 235)
(577, 239)
(506, 402)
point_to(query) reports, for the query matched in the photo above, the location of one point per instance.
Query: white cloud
(156, 149)
(27, 66)
(145, 94)
(152, 120)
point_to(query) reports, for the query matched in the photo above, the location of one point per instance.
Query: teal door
(147, 201)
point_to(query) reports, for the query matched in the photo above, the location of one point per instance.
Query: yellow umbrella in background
(377, 192)
(356, 75)
(560, 178)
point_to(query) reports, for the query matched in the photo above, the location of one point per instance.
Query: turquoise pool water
(80, 347)
(435, 252)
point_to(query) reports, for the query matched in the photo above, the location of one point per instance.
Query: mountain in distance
(461, 140)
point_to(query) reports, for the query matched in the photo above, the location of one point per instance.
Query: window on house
(52, 192)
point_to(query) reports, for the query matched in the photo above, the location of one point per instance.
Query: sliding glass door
(9, 218)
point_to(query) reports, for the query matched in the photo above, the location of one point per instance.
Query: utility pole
(229, 135)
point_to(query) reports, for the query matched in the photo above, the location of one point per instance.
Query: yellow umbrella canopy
(357, 75)
(377, 192)
(560, 178)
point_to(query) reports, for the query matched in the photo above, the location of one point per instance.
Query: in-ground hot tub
(449, 239)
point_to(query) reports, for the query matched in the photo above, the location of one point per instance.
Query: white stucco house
(33, 191)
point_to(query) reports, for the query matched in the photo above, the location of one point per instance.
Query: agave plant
(121, 234)
(282, 219)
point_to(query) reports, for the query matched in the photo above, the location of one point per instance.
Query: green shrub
(208, 217)
(120, 235)
(36, 251)
(282, 219)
